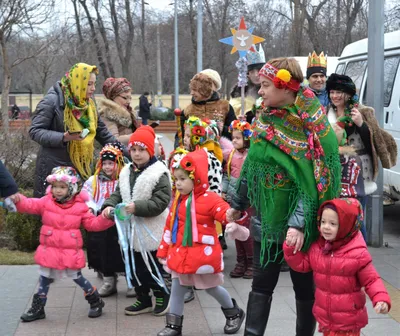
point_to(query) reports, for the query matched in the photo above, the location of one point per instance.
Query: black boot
(36, 311)
(234, 318)
(173, 327)
(305, 320)
(96, 304)
(258, 308)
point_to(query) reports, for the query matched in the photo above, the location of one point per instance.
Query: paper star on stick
(242, 39)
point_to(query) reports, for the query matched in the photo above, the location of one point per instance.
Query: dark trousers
(266, 277)
(147, 281)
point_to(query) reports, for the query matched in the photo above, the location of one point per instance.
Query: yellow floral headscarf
(79, 113)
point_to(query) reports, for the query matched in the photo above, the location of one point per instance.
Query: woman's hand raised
(356, 117)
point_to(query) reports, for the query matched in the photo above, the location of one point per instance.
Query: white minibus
(353, 62)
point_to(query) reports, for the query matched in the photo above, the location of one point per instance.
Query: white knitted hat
(215, 77)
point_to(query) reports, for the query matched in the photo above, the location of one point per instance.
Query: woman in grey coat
(59, 124)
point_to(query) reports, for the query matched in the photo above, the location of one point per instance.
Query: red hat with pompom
(144, 137)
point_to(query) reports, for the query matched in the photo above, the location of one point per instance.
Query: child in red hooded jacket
(342, 265)
(63, 210)
(190, 247)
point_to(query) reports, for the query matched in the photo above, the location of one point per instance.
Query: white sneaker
(130, 293)
(109, 287)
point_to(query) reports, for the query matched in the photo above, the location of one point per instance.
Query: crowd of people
(288, 180)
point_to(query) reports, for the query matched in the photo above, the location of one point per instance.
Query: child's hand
(232, 215)
(236, 231)
(381, 308)
(295, 238)
(15, 198)
(107, 212)
(223, 195)
(162, 261)
(130, 208)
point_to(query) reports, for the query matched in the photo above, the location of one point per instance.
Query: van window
(355, 70)
(390, 66)
(340, 68)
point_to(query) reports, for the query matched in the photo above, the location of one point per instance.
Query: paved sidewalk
(66, 309)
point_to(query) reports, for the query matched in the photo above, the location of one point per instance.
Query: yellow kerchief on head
(79, 113)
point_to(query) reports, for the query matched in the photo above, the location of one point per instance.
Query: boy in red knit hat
(341, 266)
(143, 194)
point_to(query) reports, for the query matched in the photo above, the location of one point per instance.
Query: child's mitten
(236, 231)
(163, 262)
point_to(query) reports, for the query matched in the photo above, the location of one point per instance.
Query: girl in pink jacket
(60, 253)
(341, 266)
(235, 153)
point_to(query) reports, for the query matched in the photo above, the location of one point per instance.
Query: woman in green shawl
(292, 167)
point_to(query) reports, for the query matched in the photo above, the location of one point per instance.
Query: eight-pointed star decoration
(242, 39)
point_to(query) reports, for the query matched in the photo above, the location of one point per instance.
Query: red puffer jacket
(339, 276)
(205, 256)
(60, 238)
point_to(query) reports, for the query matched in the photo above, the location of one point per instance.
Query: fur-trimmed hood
(114, 112)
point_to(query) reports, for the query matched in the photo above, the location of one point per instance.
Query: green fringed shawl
(293, 155)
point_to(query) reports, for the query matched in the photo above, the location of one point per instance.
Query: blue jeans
(363, 201)
(144, 121)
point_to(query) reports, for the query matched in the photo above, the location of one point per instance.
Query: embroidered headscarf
(79, 113)
(293, 157)
(204, 133)
(113, 87)
(350, 215)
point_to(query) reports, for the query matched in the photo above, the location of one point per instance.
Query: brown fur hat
(202, 84)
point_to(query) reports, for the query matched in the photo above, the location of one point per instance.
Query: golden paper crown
(316, 61)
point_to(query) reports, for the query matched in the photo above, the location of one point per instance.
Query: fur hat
(113, 87)
(69, 176)
(215, 77)
(202, 83)
(341, 83)
(144, 136)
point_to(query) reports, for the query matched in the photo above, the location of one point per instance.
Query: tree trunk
(351, 21)
(103, 34)
(6, 89)
(130, 37)
(78, 23)
(99, 51)
(193, 33)
(145, 50)
(296, 28)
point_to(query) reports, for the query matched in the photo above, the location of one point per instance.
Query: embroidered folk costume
(293, 157)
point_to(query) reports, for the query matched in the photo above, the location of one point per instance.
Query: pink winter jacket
(235, 167)
(60, 238)
(339, 277)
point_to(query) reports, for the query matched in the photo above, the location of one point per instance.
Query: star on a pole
(242, 40)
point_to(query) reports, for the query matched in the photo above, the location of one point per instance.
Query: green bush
(157, 114)
(24, 230)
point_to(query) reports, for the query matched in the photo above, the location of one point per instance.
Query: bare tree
(125, 56)
(99, 50)
(149, 77)
(18, 17)
(102, 30)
